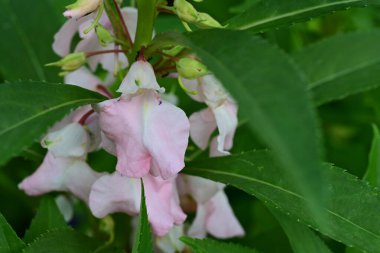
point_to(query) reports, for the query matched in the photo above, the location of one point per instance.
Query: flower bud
(190, 68)
(174, 50)
(70, 62)
(104, 36)
(185, 11)
(81, 8)
(205, 21)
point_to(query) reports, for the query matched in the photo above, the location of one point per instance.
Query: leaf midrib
(283, 190)
(45, 112)
(344, 72)
(294, 13)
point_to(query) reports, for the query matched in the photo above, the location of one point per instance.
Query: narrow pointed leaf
(342, 65)
(209, 245)
(245, 65)
(28, 109)
(48, 217)
(143, 240)
(9, 241)
(350, 201)
(274, 13)
(62, 241)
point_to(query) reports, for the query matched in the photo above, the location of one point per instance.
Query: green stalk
(145, 23)
(121, 32)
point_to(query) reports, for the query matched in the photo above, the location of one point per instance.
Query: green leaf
(143, 240)
(47, 218)
(342, 65)
(301, 238)
(208, 245)
(277, 106)
(27, 35)
(62, 241)
(274, 13)
(29, 108)
(350, 201)
(9, 241)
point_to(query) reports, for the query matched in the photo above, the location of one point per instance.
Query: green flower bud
(70, 62)
(185, 11)
(205, 21)
(190, 68)
(174, 50)
(104, 36)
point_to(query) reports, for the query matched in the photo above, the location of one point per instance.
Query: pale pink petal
(202, 125)
(84, 78)
(140, 76)
(94, 131)
(144, 128)
(201, 189)
(122, 123)
(214, 152)
(60, 174)
(91, 44)
(162, 204)
(107, 144)
(63, 38)
(193, 85)
(166, 133)
(226, 120)
(70, 141)
(115, 193)
(198, 227)
(221, 221)
(213, 91)
(130, 19)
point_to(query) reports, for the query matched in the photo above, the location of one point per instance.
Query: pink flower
(217, 218)
(221, 114)
(214, 214)
(64, 167)
(150, 135)
(117, 193)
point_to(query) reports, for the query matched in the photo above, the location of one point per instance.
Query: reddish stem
(103, 90)
(82, 121)
(90, 54)
(123, 23)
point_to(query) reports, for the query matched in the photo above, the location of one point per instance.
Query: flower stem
(145, 23)
(90, 54)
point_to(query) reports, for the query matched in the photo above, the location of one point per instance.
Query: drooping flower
(150, 135)
(221, 113)
(64, 167)
(214, 214)
(116, 193)
(81, 8)
(217, 218)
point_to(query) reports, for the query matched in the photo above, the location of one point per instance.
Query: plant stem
(145, 23)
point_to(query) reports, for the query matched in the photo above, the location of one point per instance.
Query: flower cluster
(148, 135)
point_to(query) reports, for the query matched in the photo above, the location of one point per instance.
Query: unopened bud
(190, 68)
(104, 36)
(174, 50)
(70, 62)
(205, 21)
(185, 11)
(81, 8)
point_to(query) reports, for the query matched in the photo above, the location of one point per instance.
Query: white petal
(70, 141)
